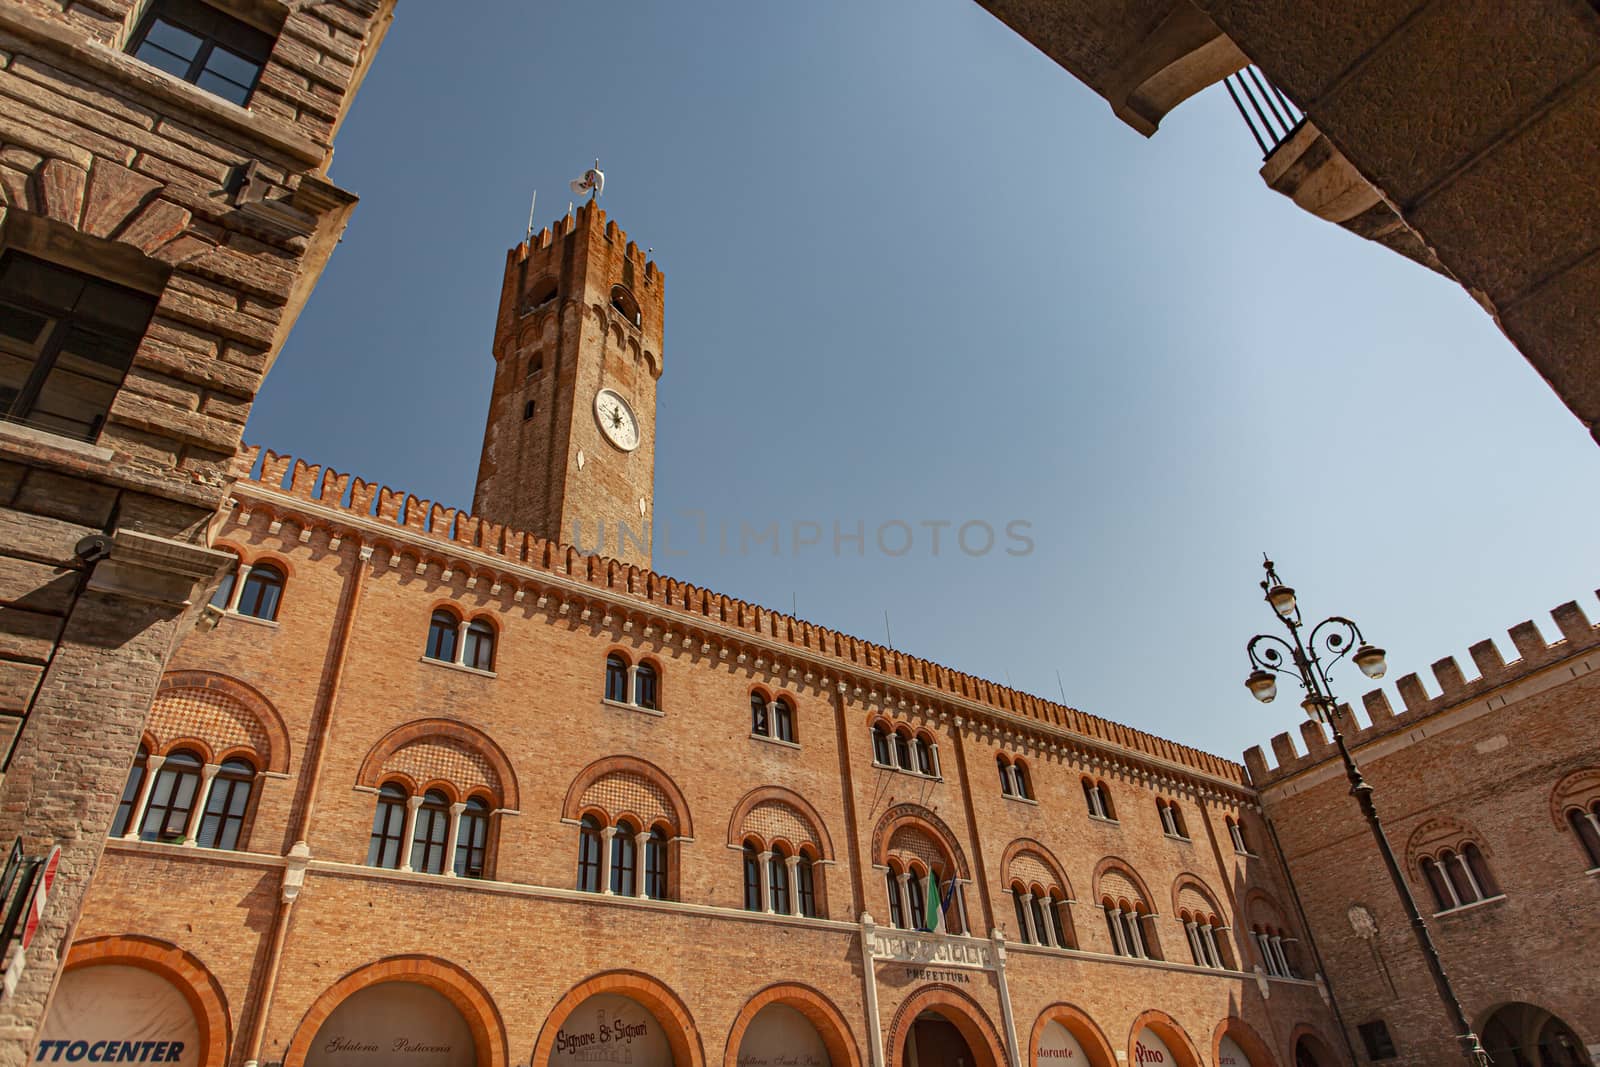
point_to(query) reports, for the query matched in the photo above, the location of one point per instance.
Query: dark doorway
(1524, 1035)
(1305, 1055)
(934, 1041)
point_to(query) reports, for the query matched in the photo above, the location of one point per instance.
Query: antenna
(533, 204)
(888, 637)
(1061, 687)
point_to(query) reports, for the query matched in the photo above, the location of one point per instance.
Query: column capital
(457, 808)
(209, 770)
(153, 763)
(414, 802)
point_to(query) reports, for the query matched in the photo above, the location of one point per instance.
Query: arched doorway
(1525, 1035)
(935, 1041)
(940, 1026)
(1065, 1036)
(1157, 1040)
(101, 1013)
(376, 1025)
(1309, 1051)
(790, 1025)
(620, 1017)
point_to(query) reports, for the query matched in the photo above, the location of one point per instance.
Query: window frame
(590, 842)
(657, 864)
(616, 681)
(179, 775)
(624, 879)
(234, 773)
(232, 35)
(752, 877)
(476, 636)
(257, 588)
(442, 624)
(646, 686)
(129, 801)
(472, 839)
(392, 799)
(430, 833)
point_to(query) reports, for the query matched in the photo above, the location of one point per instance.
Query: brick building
(165, 210)
(1490, 794)
(443, 790)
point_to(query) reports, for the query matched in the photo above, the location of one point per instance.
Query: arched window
(616, 679)
(752, 878)
(542, 293)
(655, 864)
(224, 594)
(1024, 787)
(1171, 819)
(1273, 945)
(535, 363)
(1585, 824)
(902, 749)
(430, 834)
(442, 629)
(589, 854)
(1236, 832)
(624, 302)
(472, 839)
(782, 720)
(644, 687)
(1443, 896)
(478, 651)
(1058, 923)
(1098, 798)
(1478, 871)
(1043, 930)
(916, 893)
(897, 914)
(758, 714)
(130, 794)
(624, 859)
(1021, 906)
(172, 796)
(223, 819)
(778, 881)
(806, 886)
(880, 745)
(388, 828)
(528, 409)
(1458, 878)
(262, 591)
(1005, 775)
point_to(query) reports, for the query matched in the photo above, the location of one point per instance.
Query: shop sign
(611, 1029)
(1148, 1048)
(394, 1023)
(779, 1036)
(117, 1014)
(1229, 1054)
(1057, 1046)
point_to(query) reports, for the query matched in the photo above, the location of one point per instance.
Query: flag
(933, 916)
(593, 182)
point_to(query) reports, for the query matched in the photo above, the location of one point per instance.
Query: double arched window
(1171, 818)
(1208, 939)
(178, 798)
(1041, 919)
(771, 718)
(453, 639)
(428, 833)
(1276, 950)
(1458, 877)
(907, 884)
(1585, 823)
(780, 880)
(1132, 928)
(610, 855)
(1014, 778)
(897, 747)
(1097, 795)
(638, 685)
(1236, 833)
(257, 596)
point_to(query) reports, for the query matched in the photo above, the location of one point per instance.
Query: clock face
(616, 419)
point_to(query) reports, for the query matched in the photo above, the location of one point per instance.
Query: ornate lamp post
(1336, 637)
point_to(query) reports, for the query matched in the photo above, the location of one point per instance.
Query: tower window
(198, 43)
(625, 304)
(535, 364)
(542, 293)
(528, 410)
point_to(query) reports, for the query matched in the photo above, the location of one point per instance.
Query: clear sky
(916, 273)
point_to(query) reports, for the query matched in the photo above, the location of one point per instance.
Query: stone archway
(1156, 1040)
(1236, 1044)
(1065, 1036)
(935, 1025)
(1519, 1034)
(633, 998)
(828, 1021)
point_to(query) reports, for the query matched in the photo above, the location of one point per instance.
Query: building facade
(1490, 794)
(438, 787)
(165, 210)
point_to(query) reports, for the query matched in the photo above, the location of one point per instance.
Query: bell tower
(569, 446)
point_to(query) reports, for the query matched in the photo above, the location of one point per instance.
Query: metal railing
(1271, 117)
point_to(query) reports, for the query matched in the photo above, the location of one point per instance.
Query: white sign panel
(117, 1014)
(1148, 1048)
(1058, 1046)
(779, 1036)
(1229, 1054)
(394, 1023)
(611, 1029)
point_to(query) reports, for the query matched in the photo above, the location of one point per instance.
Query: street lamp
(1336, 637)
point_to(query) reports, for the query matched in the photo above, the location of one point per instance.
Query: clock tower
(569, 446)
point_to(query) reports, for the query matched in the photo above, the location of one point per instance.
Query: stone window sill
(635, 708)
(774, 740)
(33, 435)
(1178, 837)
(456, 667)
(1020, 800)
(239, 616)
(905, 770)
(1104, 819)
(1448, 912)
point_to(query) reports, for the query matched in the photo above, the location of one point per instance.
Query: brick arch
(682, 1035)
(463, 991)
(1441, 832)
(195, 698)
(1123, 867)
(1246, 1038)
(1194, 882)
(1321, 1048)
(918, 816)
(1081, 1026)
(957, 1008)
(372, 773)
(771, 793)
(1168, 1029)
(572, 806)
(818, 1010)
(1577, 789)
(182, 969)
(1024, 845)
(1260, 906)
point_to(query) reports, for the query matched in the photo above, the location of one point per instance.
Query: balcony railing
(1269, 114)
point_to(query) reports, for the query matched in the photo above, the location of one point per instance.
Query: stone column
(605, 853)
(793, 863)
(640, 862)
(1136, 935)
(1029, 934)
(904, 885)
(453, 840)
(1210, 936)
(238, 587)
(208, 775)
(765, 860)
(410, 838)
(152, 767)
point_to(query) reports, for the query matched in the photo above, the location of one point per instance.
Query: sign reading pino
(394, 1023)
(611, 1029)
(1058, 1046)
(1229, 1054)
(1148, 1048)
(117, 1014)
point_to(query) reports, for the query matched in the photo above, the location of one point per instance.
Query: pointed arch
(470, 737)
(773, 793)
(1575, 790)
(572, 806)
(183, 698)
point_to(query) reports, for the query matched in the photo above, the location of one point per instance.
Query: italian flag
(933, 913)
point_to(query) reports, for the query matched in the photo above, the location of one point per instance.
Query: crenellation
(1486, 657)
(1283, 749)
(1530, 644)
(1316, 740)
(1572, 622)
(1412, 693)
(1447, 672)
(1376, 704)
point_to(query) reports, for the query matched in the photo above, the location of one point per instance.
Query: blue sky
(917, 273)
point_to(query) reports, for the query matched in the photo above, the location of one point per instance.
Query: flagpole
(531, 207)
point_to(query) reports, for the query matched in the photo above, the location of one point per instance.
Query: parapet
(1534, 654)
(588, 216)
(370, 503)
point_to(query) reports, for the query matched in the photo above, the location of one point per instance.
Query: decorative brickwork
(444, 760)
(226, 724)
